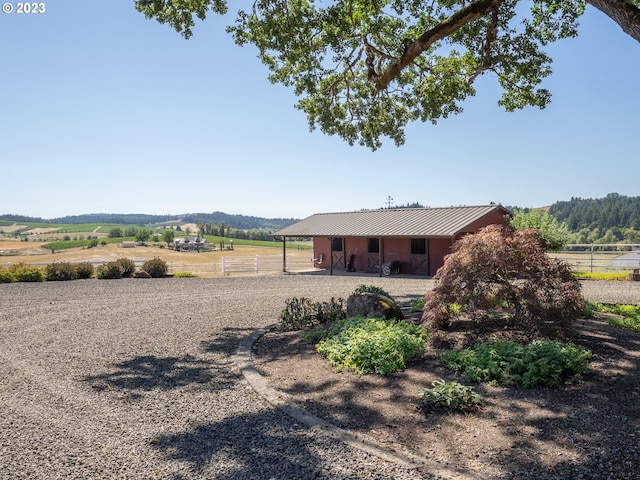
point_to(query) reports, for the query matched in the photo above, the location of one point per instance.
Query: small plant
(109, 271)
(6, 275)
(60, 271)
(27, 273)
(417, 304)
(156, 267)
(546, 363)
(372, 345)
(184, 275)
(314, 336)
(628, 316)
(360, 289)
(302, 313)
(84, 270)
(450, 396)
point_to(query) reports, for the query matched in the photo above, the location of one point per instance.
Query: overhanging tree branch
(623, 12)
(445, 28)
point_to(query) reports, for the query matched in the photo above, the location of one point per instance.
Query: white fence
(265, 264)
(597, 257)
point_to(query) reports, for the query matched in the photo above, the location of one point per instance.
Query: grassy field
(45, 244)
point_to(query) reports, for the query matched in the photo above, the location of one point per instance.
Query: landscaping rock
(373, 305)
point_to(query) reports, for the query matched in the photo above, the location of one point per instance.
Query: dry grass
(205, 264)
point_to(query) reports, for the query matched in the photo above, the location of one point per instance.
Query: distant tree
(115, 232)
(168, 236)
(554, 234)
(366, 69)
(142, 235)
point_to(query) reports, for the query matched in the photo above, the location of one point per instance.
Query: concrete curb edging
(244, 360)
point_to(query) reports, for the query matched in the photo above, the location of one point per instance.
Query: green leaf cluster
(628, 315)
(301, 312)
(450, 396)
(545, 363)
(362, 288)
(371, 345)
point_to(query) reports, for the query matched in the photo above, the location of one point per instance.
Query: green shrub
(84, 270)
(366, 345)
(362, 288)
(450, 396)
(128, 267)
(156, 268)
(628, 315)
(546, 363)
(6, 275)
(109, 271)
(27, 273)
(184, 275)
(302, 313)
(93, 243)
(417, 304)
(60, 271)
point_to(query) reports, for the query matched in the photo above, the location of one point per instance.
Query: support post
(331, 255)
(284, 254)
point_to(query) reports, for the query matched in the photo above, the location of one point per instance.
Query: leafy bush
(302, 313)
(450, 396)
(628, 315)
(84, 270)
(417, 304)
(184, 275)
(500, 267)
(60, 271)
(128, 267)
(362, 288)
(156, 268)
(366, 345)
(27, 273)
(546, 363)
(109, 271)
(6, 275)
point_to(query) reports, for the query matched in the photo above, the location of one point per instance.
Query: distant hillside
(609, 213)
(239, 222)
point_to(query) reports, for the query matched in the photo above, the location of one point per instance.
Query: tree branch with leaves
(365, 69)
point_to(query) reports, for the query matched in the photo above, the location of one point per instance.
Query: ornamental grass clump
(372, 345)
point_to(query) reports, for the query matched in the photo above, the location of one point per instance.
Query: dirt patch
(11, 228)
(590, 428)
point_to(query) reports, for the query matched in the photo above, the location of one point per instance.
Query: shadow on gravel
(227, 341)
(255, 446)
(148, 372)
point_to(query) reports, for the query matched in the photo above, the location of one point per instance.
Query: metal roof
(401, 222)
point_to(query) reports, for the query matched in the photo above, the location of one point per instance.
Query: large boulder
(373, 305)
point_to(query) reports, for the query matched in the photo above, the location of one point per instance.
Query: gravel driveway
(135, 379)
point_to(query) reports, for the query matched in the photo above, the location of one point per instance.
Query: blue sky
(102, 110)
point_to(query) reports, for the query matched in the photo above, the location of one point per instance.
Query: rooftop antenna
(389, 200)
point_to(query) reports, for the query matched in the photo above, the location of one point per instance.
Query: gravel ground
(135, 379)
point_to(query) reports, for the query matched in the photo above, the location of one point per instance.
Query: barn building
(405, 240)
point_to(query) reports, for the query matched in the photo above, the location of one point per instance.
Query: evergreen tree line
(613, 219)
